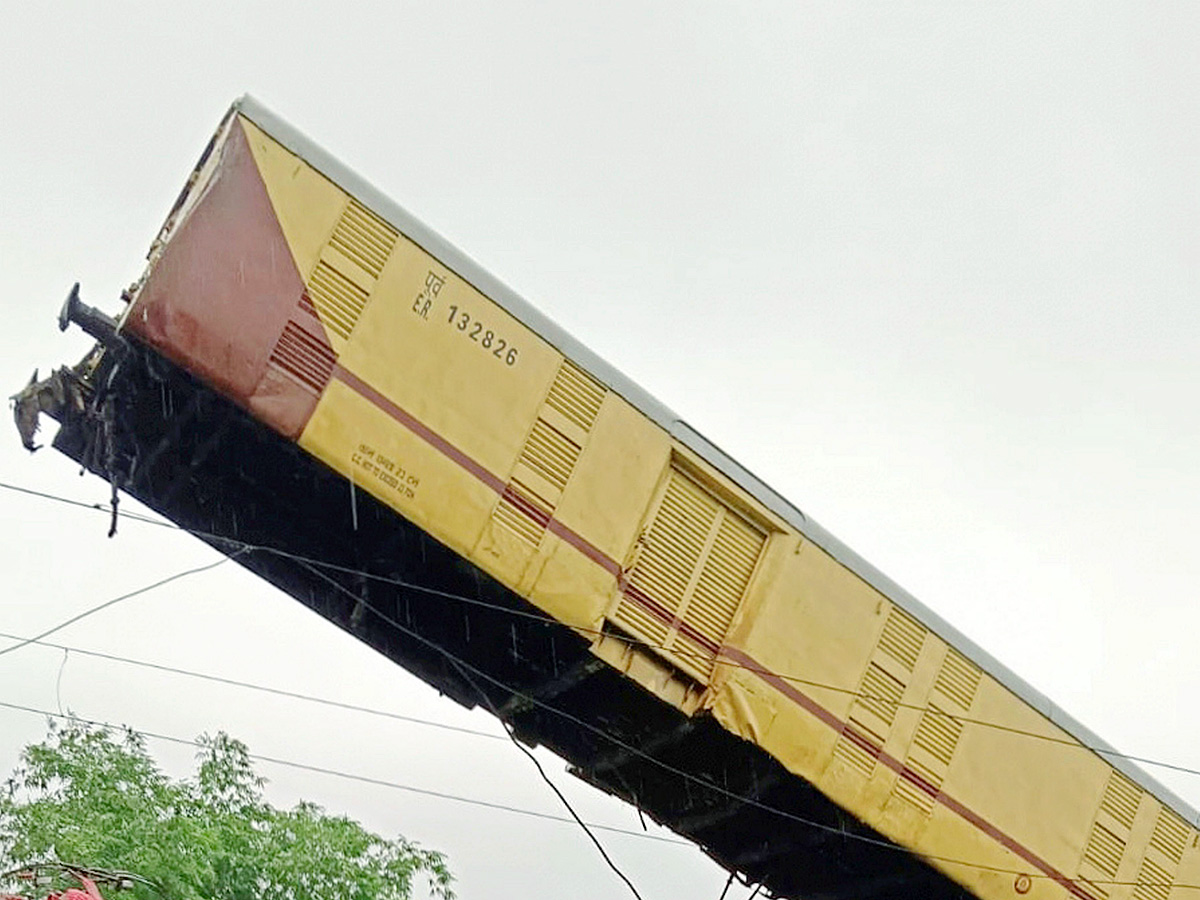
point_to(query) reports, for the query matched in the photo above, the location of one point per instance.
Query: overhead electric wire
(218, 679)
(574, 815)
(501, 807)
(688, 776)
(349, 776)
(115, 600)
(312, 564)
(94, 507)
(266, 689)
(546, 778)
(1105, 752)
(79, 651)
(58, 680)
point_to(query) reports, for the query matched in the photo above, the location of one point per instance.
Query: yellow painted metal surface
(307, 204)
(468, 423)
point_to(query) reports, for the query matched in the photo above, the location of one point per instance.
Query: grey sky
(928, 269)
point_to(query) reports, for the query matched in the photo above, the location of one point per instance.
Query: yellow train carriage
(287, 283)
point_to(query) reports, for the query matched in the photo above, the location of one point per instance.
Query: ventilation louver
(350, 263)
(549, 454)
(689, 575)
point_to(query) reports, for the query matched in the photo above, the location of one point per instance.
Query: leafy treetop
(90, 797)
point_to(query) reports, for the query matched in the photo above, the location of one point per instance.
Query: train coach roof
(521, 309)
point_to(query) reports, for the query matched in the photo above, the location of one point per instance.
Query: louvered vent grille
(364, 238)
(724, 580)
(879, 693)
(1121, 799)
(871, 717)
(918, 786)
(350, 263)
(929, 757)
(958, 680)
(938, 735)
(548, 456)
(1104, 850)
(550, 453)
(1170, 836)
(939, 731)
(651, 629)
(692, 572)
(521, 514)
(1160, 864)
(672, 549)
(1109, 839)
(902, 639)
(860, 754)
(873, 710)
(576, 396)
(304, 357)
(1154, 882)
(338, 300)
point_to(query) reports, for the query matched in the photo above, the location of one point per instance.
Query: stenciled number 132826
(482, 335)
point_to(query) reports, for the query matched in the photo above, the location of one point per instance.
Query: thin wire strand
(1104, 752)
(794, 679)
(379, 782)
(115, 600)
(266, 689)
(311, 565)
(58, 681)
(546, 778)
(350, 776)
(574, 815)
(667, 767)
(289, 694)
(94, 507)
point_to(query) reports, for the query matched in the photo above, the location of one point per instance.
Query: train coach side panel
(392, 368)
(853, 694)
(871, 707)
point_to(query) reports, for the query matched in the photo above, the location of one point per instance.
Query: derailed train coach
(528, 530)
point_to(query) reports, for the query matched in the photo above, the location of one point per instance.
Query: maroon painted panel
(226, 302)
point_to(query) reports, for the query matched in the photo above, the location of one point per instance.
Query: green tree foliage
(90, 797)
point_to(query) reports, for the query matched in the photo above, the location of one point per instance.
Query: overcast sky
(929, 269)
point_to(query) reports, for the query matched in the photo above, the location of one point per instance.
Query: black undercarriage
(207, 465)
